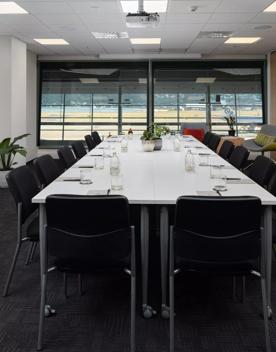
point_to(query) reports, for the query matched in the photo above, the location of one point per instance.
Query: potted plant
(231, 121)
(154, 133)
(148, 141)
(8, 150)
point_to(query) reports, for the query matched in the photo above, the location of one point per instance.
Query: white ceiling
(74, 21)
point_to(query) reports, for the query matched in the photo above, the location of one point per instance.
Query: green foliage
(155, 131)
(8, 150)
(230, 121)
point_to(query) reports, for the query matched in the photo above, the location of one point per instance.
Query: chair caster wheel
(148, 312)
(49, 312)
(165, 312)
(269, 313)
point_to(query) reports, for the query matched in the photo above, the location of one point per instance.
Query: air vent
(214, 34)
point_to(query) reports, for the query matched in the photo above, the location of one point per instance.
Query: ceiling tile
(180, 18)
(231, 17)
(35, 7)
(185, 6)
(235, 6)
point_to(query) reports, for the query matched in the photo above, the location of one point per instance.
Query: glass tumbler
(85, 177)
(99, 163)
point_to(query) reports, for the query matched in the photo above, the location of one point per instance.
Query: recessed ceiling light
(10, 7)
(146, 41)
(51, 41)
(142, 80)
(149, 6)
(271, 8)
(242, 40)
(89, 80)
(205, 80)
(110, 35)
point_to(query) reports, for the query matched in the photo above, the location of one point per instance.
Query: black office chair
(261, 170)
(207, 137)
(66, 156)
(95, 135)
(87, 234)
(214, 141)
(214, 245)
(239, 157)
(23, 187)
(91, 143)
(47, 169)
(79, 149)
(226, 149)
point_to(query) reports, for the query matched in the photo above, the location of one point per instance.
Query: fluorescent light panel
(89, 80)
(242, 40)
(145, 41)
(57, 41)
(10, 8)
(149, 6)
(271, 8)
(110, 35)
(205, 80)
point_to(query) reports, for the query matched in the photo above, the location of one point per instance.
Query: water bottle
(189, 161)
(114, 165)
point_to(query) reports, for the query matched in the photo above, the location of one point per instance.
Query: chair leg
(80, 284)
(29, 254)
(42, 311)
(172, 312)
(133, 313)
(243, 289)
(33, 252)
(234, 288)
(14, 260)
(65, 285)
(265, 313)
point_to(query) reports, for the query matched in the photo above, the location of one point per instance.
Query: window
(112, 97)
(75, 100)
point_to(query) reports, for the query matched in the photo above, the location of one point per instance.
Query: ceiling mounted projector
(142, 19)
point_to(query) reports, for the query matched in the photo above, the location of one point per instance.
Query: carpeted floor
(207, 319)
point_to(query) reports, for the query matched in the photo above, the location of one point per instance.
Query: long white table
(157, 178)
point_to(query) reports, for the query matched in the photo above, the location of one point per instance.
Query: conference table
(157, 178)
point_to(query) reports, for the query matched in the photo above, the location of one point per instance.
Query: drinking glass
(116, 182)
(85, 177)
(204, 160)
(99, 163)
(124, 146)
(221, 183)
(176, 144)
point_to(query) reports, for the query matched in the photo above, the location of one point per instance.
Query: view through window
(111, 98)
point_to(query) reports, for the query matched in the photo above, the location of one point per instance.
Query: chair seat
(77, 266)
(236, 269)
(33, 230)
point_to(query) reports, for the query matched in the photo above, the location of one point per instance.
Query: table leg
(268, 253)
(148, 312)
(164, 242)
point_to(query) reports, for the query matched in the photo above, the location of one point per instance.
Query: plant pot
(231, 133)
(158, 144)
(148, 145)
(3, 181)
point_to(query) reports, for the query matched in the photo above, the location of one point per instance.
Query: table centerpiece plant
(153, 134)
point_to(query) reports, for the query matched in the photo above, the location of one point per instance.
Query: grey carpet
(207, 319)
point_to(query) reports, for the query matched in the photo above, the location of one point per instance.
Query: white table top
(157, 177)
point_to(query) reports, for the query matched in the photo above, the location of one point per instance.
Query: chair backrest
(66, 156)
(88, 228)
(23, 187)
(47, 169)
(214, 141)
(261, 170)
(95, 135)
(79, 149)
(226, 149)
(207, 137)
(239, 157)
(217, 230)
(91, 143)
